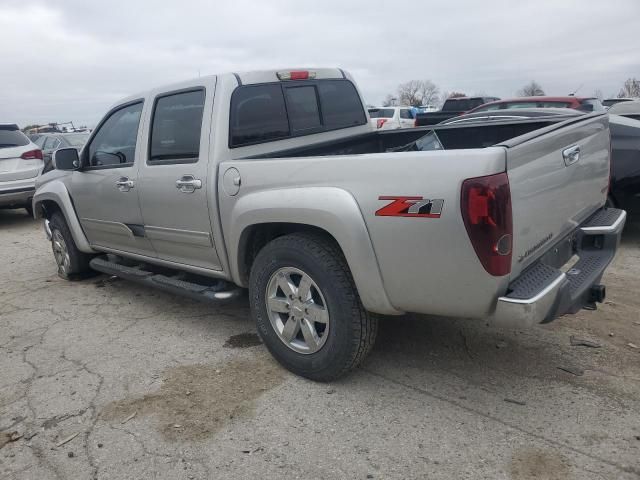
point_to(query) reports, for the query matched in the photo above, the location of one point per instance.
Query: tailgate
(558, 176)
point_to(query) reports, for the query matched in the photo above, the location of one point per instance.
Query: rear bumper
(16, 197)
(543, 293)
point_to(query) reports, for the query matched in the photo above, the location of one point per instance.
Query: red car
(586, 104)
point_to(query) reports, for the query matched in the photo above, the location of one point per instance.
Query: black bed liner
(452, 137)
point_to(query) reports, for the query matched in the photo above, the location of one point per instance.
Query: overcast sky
(72, 59)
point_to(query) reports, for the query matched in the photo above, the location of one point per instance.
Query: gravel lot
(142, 384)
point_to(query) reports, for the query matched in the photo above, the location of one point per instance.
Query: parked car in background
(585, 104)
(275, 181)
(629, 109)
(624, 190)
(20, 165)
(518, 114)
(50, 142)
(609, 102)
(452, 107)
(389, 118)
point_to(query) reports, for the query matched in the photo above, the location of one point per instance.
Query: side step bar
(211, 291)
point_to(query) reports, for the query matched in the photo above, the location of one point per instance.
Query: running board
(211, 290)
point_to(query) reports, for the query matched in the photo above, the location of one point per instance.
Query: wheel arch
(260, 217)
(53, 197)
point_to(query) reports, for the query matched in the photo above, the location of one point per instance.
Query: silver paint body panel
(425, 265)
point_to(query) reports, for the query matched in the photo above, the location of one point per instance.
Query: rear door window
(405, 113)
(176, 127)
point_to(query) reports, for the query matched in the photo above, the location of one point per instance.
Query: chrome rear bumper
(543, 293)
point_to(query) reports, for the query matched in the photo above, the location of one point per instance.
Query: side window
(341, 105)
(405, 113)
(40, 141)
(50, 143)
(302, 106)
(114, 144)
(257, 115)
(176, 127)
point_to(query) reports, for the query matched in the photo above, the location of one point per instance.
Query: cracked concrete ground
(142, 384)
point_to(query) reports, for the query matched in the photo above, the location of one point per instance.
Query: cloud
(71, 60)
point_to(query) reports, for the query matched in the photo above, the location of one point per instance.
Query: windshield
(13, 138)
(381, 112)
(77, 139)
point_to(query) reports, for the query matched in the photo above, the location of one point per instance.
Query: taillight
(32, 155)
(381, 122)
(486, 211)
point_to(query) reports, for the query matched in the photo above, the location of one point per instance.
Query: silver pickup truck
(274, 181)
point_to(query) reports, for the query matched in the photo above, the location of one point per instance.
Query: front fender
(56, 191)
(328, 208)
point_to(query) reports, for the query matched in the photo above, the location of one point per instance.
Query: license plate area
(561, 253)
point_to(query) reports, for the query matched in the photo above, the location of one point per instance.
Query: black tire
(78, 265)
(352, 330)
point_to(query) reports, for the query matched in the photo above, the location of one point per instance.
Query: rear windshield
(381, 112)
(13, 138)
(273, 111)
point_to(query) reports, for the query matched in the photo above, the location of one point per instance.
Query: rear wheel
(307, 309)
(72, 263)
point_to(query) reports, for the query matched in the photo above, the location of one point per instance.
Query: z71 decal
(411, 207)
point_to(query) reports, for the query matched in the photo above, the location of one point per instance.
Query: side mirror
(66, 159)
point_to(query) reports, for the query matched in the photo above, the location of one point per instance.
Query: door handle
(124, 184)
(571, 155)
(188, 184)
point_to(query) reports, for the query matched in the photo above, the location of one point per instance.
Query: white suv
(20, 164)
(389, 118)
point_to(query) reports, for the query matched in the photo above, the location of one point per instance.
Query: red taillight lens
(32, 155)
(381, 122)
(486, 211)
(299, 75)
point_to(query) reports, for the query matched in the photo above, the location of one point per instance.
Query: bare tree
(390, 101)
(429, 93)
(533, 89)
(414, 93)
(631, 89)
(457, 95)
(409, 93)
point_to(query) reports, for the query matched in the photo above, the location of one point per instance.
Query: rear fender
(331, 209)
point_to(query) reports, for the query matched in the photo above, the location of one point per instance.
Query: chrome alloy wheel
(61, 253)
(297, 310)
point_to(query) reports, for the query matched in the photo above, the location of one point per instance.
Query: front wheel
(307, 309)
(71, 262)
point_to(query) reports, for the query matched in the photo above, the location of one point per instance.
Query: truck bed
(452, 137)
